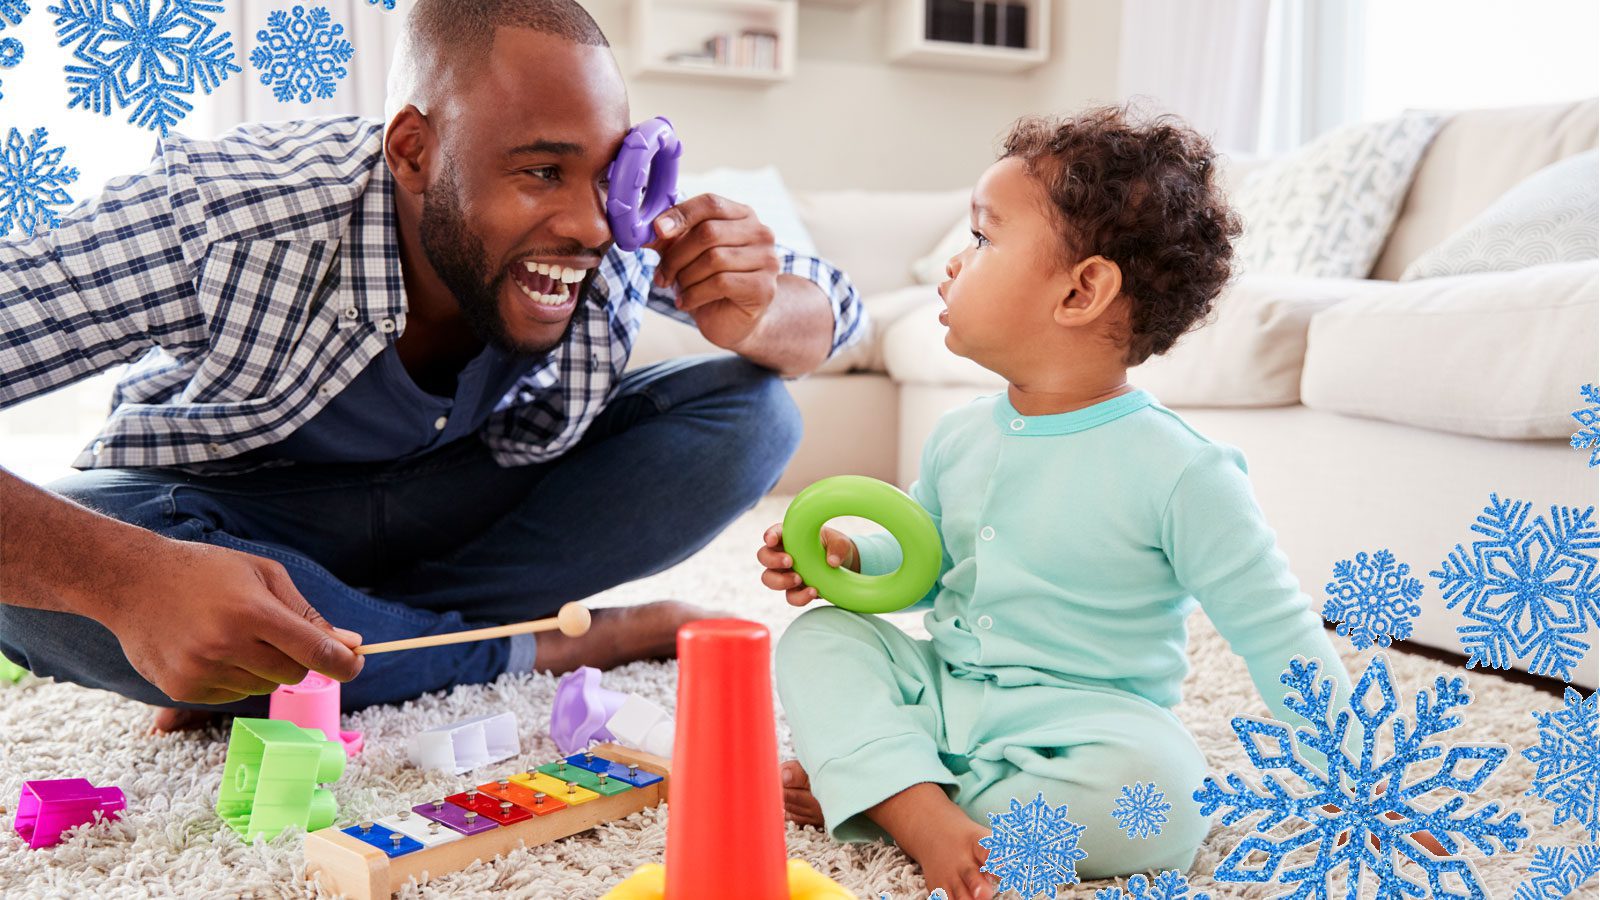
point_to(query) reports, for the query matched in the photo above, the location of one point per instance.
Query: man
(376, 386)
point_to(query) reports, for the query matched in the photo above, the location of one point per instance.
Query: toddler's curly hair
(1144, 195)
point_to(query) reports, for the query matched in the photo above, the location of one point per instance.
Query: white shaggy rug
(171, 844)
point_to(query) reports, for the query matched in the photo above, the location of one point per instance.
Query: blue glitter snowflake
(1558, 872)
(143, 53)
(1167, 886)
(301, 53)
(11, 12)
(10, 55)
(1359, 815)
(1530, 590)
(1568, 757)
(1033, 848)
(1589, 418)
(1141, 810)
(1372, 600)
(31, 182)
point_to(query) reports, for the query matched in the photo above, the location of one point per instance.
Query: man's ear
(408, 144)
(1092, 286)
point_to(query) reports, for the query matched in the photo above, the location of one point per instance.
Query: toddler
(1081, 523)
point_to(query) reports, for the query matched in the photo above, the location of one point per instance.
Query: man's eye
(545, 173)
(980, 239)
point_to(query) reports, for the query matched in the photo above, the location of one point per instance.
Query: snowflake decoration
(1170, 885)
(1589, 418)
(301, 53)
(1372, 599)
(1359, 816)
(1568, 757)
(1141, 810)
(1033, 848)
(11, 12)
(143, 53)
(1529, 590)
(31, 181)
(1558, 872)
(387, 4)
(10, 54)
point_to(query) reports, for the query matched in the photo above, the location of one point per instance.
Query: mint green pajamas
(1075, 547)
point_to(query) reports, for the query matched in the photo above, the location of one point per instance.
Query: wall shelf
(663, 29)
(908, 44)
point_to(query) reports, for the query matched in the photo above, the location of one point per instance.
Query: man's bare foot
(169, 720)
(617, 636)
(800, 806)
(932, 830)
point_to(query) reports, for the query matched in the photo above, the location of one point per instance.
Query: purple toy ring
(644, 182)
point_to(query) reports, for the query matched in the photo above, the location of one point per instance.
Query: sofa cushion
(1497, 355)
(1477, 156)
(1251, 350)
(876, 235)
(1326, 209)
(760, 189)
(1552, 216)
(914, 351)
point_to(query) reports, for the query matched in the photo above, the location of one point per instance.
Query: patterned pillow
(1326, 209)
(1552, 216)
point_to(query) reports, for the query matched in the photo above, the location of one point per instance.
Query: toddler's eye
(979, 239)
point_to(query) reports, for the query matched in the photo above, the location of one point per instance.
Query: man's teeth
(559, 273)
(547, 299)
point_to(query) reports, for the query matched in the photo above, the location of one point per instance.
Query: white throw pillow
(930, 269)
(760, 189)
(1326, 209)
(1551, 216)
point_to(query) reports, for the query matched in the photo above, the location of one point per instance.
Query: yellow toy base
(649, 882)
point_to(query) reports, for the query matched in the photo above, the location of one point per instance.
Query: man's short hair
(462, 31)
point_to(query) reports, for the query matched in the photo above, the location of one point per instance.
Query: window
(1461, 54)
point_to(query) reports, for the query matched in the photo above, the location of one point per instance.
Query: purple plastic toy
(47, 808)
(580, 711)
(644, 182)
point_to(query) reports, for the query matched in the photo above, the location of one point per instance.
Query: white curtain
(371, 30)
(1313, 70)
(1200, 59)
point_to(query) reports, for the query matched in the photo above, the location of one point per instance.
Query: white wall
(849, 119)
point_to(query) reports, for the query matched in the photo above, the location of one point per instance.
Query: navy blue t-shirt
(383, 416)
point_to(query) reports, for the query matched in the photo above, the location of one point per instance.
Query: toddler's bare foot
(799, 804)
(935, 832)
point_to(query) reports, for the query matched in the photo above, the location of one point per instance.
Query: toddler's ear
(1092, 285)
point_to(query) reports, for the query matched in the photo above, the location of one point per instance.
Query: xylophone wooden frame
(361, 871)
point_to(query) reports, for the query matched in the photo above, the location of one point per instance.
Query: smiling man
(377, 386)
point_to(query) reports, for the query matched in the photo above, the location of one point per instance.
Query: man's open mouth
(545, 284)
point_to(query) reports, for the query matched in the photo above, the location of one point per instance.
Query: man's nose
(584, 219)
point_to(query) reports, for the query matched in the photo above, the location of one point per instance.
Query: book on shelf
(752, 48)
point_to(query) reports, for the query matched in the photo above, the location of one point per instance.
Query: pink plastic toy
(314, 703)
(47, 808)
(578, 715)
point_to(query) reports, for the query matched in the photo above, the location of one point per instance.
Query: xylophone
(373, 860)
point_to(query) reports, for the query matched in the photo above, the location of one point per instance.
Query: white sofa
(1373, 413)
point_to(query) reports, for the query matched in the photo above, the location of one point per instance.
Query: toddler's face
(998, 293)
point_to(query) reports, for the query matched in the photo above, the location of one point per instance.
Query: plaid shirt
(248, 280)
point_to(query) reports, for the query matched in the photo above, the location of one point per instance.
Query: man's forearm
(56, 555)
(795, 334)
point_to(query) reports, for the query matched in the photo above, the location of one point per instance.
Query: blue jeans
(451, 540)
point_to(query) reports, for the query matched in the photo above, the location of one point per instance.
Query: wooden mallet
(571, 620)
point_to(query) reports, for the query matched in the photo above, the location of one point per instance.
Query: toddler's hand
(780, 574)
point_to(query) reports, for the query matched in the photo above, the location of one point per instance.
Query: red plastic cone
(725, 825)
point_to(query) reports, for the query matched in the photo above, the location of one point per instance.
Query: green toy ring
(885, 504)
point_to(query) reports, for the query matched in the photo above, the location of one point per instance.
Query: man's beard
(457, 255)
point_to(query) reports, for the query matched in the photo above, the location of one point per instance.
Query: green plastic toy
(885, 504)
(270, 778)
(10, 672)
